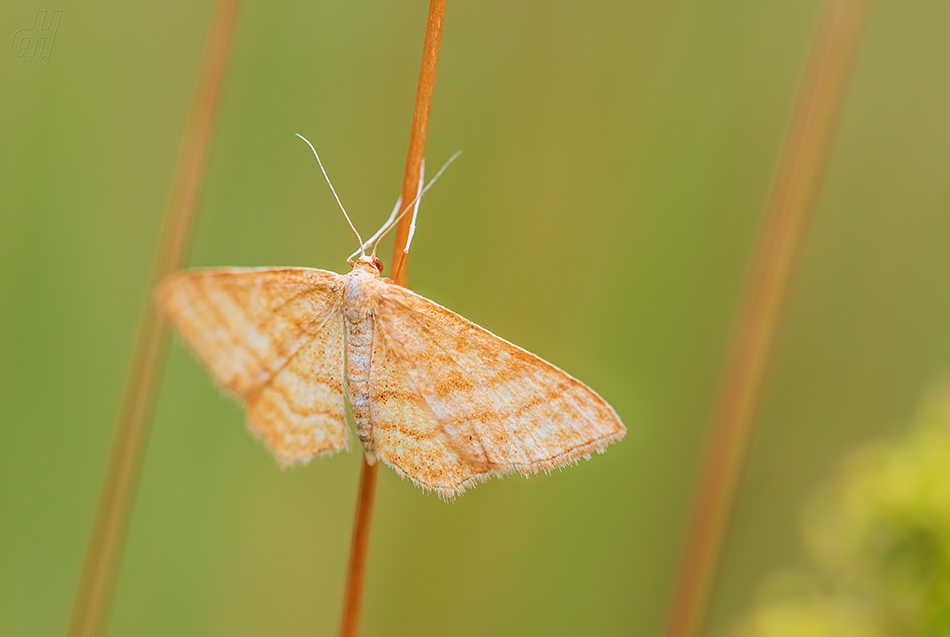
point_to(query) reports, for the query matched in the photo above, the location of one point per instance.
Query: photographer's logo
(34, 44)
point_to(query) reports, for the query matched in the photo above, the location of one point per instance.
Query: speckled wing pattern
(490, 407)
(406, 431)
(274, 338)
(449, 403)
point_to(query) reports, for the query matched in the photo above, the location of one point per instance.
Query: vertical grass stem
(353, 596)
(104, 550)
(797, 184)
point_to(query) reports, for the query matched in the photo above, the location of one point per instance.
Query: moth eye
(378, 264)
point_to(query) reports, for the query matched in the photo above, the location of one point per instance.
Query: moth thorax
(356, 296)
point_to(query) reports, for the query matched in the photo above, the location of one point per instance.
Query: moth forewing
(442, 400)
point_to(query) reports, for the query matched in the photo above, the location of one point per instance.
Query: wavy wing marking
(273, 337)
(407, 434)
(300, 412)
(502, 408)
(246, 323)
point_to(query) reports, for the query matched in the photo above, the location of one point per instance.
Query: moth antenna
(413, 202)
(392, 216)
(412, 227)
(333, 190)
(415, 209)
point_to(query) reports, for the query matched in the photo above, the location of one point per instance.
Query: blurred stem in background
(353, 596)
(104, 550)
(793, 197)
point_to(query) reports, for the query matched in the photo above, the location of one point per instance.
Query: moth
(444, 402)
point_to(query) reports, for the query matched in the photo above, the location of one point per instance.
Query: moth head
(370, 263)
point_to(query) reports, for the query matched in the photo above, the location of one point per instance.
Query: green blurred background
(618, 158)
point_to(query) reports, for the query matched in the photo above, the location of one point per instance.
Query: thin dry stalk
(420, 125)
(104, 551)
(353, 597)
(793, 198)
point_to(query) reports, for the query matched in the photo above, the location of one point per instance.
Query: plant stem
(103, 553)
(353, 596)
(793, 198)
(417, 138)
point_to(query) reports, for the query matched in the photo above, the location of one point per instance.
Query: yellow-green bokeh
(617, 162)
